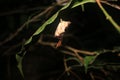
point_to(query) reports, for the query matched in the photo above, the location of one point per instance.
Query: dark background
(89, 31)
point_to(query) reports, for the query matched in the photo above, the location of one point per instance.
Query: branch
(46, 11)
(79, 51)
(9, 50)
(112, 5)
(68, 52)
(92, 76)
(74, 74)
(72, 51)
(76, 53)
(9, 38)
(108, 17)
(16, 11)
(67, 69)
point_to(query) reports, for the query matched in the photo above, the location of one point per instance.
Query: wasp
(60, 30)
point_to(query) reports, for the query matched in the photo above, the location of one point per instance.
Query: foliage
(88, 60)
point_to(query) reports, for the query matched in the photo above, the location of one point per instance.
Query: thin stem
(108, 16)
(66, 67)
(79, 51)
(92, 76)
(112, 5)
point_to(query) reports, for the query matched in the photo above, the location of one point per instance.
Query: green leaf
(28, 41)
(49, 21)
(88, 60)
(19, 61)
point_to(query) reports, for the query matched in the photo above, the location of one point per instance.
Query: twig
(66, 67)
(79, 57)
(112, 5)
(22, 27)
(68, 70)
(52, 44)
(79, 51)
(91, 75)
(105, 72)
(62, 2)
(74, 52)
(9, 38)
(61, 75)
(11, 12)
(108, 17)
(68, 52)
(74, 74)
(7, 52)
